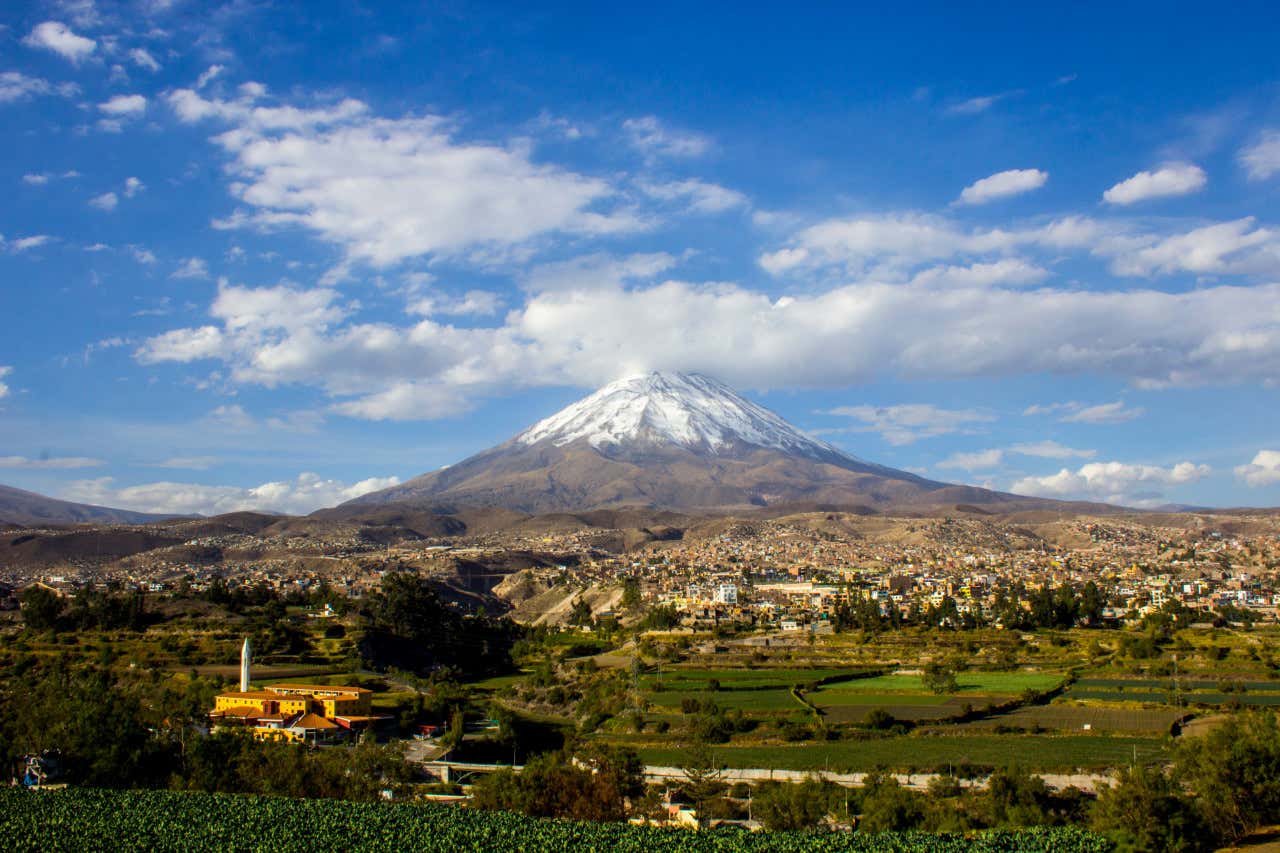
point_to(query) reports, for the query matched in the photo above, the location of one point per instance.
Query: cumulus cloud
(307, 493)
(585, 335)
(49, 463)
(654, 139)
(22, 244)
(907, 423)
(1006, 272)
(1113, 482)
(1051, 450)
(57, 37)
(391, 189)
(143, 59)
(1262, 159)
(598, 270)
(4, 389)
(1227, 247)
(126, 106)
(1002, 185)
(106, 202)
(473, 303)
(1264, 470)
(1172, 179)
(16, 86)
(699, 196)
(1073, 412)
(981, 460)
(191, 268)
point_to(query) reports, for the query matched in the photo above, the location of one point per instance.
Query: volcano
(679, 441)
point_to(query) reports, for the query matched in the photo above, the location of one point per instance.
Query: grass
(745, 700)
(1031, 752)
(1007, 683)
(740, 679)
(1075, 717)
(839, 699)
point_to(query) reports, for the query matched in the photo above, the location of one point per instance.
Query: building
(310, 713)
(726, 593)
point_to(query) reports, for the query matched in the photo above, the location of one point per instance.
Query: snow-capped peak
(684, 409)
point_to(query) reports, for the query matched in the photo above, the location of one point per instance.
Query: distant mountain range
(32, 510)
(682, 442)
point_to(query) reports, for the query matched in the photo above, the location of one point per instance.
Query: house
(299, 713)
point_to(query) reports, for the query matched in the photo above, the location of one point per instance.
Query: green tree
(41, 607)
(1234, 771)
(791, 805)
(1146, 810)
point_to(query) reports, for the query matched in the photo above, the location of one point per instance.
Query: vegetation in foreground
(85, 819)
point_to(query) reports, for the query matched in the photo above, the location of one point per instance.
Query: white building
(726, 593)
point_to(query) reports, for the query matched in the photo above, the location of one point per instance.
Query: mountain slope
(31, 509)
(673, 441)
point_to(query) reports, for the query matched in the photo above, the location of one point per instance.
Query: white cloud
(142, 255)
(232, 417)
(1073, 412)
(1113, 482)
(653, 138)
(307, 493)
(191, 268)
(58, 37)
(981, 460)
(1003, 185)
(1172, 179)
(107, 201)
(143, 59)
(591, 330)
(49, 463)
(1227, 247)
(598, 271)
(1051, 450)
(4, 389)
(133, 186)
(1264, 470)
(700, 196)
(126, 106)
(22, 244)
(207, 77)
(910, 422)
(1006, 271)
(1262, 159)
(39, 179)
(890, 246)
(187, 463)
(980, 104)
(391, 189)
(473, 303)
(16, 86)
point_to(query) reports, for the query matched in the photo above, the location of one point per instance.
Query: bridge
(459, 771)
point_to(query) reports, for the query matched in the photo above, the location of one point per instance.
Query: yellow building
(297, 712)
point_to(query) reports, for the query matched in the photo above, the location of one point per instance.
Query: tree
(41, 607)
(791, 806)
(888, 807)
(1147, 811)
(1234, 771)
(940, 677)
(703, 775)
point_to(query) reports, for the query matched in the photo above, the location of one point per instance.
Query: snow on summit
(684, 409)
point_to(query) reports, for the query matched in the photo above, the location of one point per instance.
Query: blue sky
(271, 255)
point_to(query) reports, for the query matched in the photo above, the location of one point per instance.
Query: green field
(86, 819)
(739, 679)
(1076, 717)
(1006, 683)
(1031, 752)
(771, 699)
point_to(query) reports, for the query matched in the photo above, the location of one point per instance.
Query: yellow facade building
(311, 713)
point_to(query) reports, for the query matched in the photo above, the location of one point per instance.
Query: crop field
(770, 699)
(740, 679)
(854, 707)
(1030, 752)
(1183, 683)
(1076, 717)
(1167, 696)
(86, 819)
(990, 683)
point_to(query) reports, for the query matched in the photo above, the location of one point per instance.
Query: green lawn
(1031, 752)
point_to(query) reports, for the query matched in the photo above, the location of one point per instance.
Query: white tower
(245, 656)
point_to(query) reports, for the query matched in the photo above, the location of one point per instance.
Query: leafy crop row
(85, 819)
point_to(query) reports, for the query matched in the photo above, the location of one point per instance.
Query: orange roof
(314, 721)
(240, 711)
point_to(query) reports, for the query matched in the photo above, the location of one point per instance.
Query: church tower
(245, 657)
